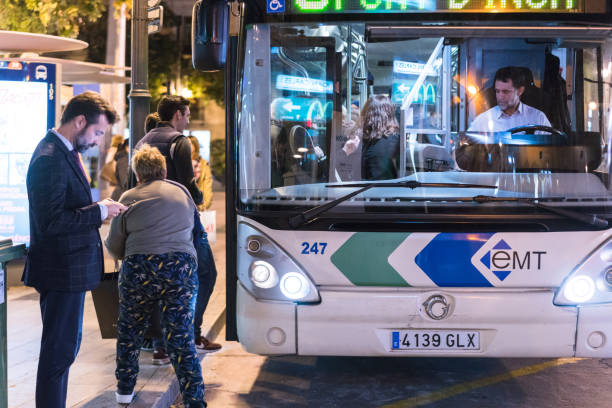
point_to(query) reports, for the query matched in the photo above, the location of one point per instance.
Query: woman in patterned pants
(154, 238)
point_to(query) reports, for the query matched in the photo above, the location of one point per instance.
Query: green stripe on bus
(364, 258)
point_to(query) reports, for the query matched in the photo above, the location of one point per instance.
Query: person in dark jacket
(151, 121)
(168, 137)
(65, 257)
(381, 144)
(121, 169)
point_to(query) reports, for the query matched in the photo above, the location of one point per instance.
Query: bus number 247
(313, 248)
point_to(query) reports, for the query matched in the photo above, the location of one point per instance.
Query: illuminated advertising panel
(28, 97)
(301, 84)
(416, 6)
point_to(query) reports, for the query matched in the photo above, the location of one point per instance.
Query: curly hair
(378, 118)
(149, 164)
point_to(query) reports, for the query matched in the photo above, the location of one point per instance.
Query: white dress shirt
(495, 120)
(66, 142)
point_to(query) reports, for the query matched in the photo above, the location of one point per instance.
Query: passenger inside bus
(510, 112)
(381, 140)
(348, 157)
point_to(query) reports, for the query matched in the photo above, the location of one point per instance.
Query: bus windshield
(523, 109)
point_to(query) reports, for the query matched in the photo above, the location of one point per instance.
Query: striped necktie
(75, 154)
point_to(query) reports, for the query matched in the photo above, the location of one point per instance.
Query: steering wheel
(547, 138)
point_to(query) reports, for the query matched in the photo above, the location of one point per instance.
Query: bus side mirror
(209, 34)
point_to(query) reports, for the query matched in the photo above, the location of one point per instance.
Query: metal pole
(349, 73)
(3, 340)
(139, 92)
(8, 252)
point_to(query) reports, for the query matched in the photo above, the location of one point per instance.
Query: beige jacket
(205, 182)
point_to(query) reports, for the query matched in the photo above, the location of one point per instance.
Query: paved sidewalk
(92, 379)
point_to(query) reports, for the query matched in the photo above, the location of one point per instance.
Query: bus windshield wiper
(309, 215)
(590, 219)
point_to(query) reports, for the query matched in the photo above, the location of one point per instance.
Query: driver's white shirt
(495, 120)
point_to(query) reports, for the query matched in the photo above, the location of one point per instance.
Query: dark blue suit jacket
(65, 248)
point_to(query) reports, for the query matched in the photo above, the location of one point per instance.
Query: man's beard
(82, 147)
(509, 105)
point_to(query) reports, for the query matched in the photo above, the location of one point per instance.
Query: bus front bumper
(362, 322)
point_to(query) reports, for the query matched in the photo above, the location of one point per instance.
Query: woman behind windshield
(380, 139)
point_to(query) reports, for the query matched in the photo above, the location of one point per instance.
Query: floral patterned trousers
(170, 280)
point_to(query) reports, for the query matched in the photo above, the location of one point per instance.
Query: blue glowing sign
(410, 68)
(301, 109)
(401, 88)
(301, 84)
(28, 98)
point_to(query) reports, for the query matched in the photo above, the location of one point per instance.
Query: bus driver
(509, 112)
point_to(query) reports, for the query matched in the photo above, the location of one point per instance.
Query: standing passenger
(159, 262)
(65, 256)
(151, 121)
(122, 164)
(207, 270)
(202, 173)
(149, 344)
(381, 144)
(168, 137)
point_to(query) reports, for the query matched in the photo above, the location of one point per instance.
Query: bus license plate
(435, 340)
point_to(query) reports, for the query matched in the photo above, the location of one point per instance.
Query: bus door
(304, 95)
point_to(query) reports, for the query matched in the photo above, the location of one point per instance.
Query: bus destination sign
(443, 6)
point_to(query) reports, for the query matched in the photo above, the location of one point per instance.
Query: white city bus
(482, 243)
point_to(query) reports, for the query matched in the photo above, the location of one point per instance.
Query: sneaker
(204, 345)
(147, 345)
(160, 357)
(124, 398)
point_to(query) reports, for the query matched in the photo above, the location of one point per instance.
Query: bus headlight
(590, 282)
(579, 289)
(267, 272)
(263, 274)
(294, 286)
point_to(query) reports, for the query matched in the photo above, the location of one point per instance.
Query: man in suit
(65, 257)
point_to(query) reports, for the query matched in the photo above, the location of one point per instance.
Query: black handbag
(106, 303)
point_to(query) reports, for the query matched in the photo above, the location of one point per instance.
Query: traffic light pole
(139, 92)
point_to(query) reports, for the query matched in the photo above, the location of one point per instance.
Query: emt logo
(502, 260)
